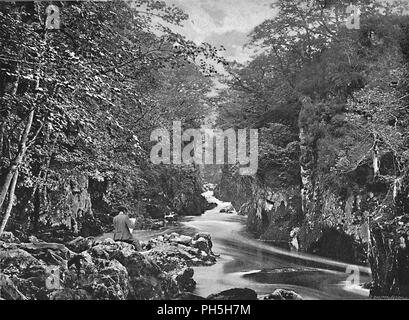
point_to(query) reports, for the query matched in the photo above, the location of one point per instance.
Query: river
(245, 262)
(242, 258)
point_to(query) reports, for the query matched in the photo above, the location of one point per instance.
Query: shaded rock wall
(272, 212)
(80, 205)
(333, 224)
(336, 225)
(70, 203)
(183, 190)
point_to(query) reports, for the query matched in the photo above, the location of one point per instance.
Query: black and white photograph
(205, 157)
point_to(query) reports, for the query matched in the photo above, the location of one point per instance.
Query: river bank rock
(187, 296)
(185, 240)
(282, 294)
(234, 294)
(229, 209)
(210, 206)
(80, 244)
(103, 269)
(185, 280)
(174, 251)
(8, 237)
(110, 270)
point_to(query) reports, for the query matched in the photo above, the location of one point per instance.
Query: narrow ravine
(241, 259)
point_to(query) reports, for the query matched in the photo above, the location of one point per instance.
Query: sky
(224, 22)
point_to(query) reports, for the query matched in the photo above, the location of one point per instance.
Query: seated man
(122, 226)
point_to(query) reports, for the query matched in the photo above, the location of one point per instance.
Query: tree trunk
(13, 91)
(18, 160)
(36, 211)
(21, 153)
(2, 132)
(376, 159)
(307, 164)
(306, 169)
(11, 203)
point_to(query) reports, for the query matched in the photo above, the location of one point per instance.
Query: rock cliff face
(70, 203)
(333, 223)
(336, 225)
(271, 212)
(185, 193)
(67, 205)
(81, 205)
(178, 190)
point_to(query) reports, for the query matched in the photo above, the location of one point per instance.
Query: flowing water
(248, 263)
(242, 258)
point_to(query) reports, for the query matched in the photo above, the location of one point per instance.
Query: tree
(343, 93)
(82, 96)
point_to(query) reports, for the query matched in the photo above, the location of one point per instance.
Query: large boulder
(16, 261)
(110, 249)
(282, 294)
(203, 241)
(205, 235)
(234, 294)
(210, 206)
(202, 244)
(55, 254)
(229, 209)
(9, 290)
(22, 275)
(185, 280)
(106, 270)
(111, 282)
(174, 251)
(80, 244)
(190, 202)
(185, 240)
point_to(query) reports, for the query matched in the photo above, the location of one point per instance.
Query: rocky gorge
(102, 269)
(87, 130)
(336, 227)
